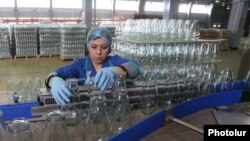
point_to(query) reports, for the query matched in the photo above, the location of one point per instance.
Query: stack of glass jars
(162, 58)
(26, 39)
(170, 55)
(73, 41)
(162, 53)
(50, 38)
(157, 30)
(12, 41)
(4, 41)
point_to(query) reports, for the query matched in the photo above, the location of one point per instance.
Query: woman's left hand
(104, 76)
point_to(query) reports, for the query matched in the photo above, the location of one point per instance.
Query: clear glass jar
(19, 130)
(119, 109)
(149, 97)
(55, 129)
(97, 123)
(72, 110)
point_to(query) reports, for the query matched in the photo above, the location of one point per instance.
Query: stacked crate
(5, 50)
(73, 41)
(211, 34)
(224, 34)
(50, 38)
(208, 34)
(26, 40)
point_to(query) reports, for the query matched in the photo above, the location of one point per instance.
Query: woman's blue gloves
(60, 91)
(104, 76)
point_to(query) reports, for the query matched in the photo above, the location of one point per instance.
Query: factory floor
(31, 68)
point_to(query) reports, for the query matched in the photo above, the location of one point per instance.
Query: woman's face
(98, 50)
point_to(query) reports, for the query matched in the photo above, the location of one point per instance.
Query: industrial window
(183, 8)
(7, 3)
(199, 8)
(76, 4)
(126, 5)
(154, 6)
(33, 3)
(104, 4)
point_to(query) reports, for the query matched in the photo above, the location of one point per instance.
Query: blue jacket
(83, 68)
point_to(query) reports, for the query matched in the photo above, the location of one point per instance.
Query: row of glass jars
(97, 116)
(157, 30)
(107, 114)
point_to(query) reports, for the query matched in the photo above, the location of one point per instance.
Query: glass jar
(72, 109)
(19, 130)
(149, 97)
(55, 129)
(97, 123)
(119, 109)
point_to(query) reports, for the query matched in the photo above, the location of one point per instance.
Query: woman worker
(99, 65)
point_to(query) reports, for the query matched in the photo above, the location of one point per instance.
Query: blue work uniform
(83, 68)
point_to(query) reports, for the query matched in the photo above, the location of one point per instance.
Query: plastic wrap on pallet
(50, 38)
(5, 50)
(26, 40)
(73, 41)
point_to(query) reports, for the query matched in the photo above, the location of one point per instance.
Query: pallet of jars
(72, 53)
(5, 48)
(73, 38)
(35, 56)
(213, 34)
(26, 56)
(26, 40)
(49, 39)
(48, 56)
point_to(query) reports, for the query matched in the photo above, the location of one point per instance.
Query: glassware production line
(148, 125)
(181, 110)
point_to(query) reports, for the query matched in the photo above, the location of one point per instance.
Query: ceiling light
(228, 7)
(217, 1)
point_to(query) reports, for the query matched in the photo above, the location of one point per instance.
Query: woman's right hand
(105, 76)
(59, 90)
